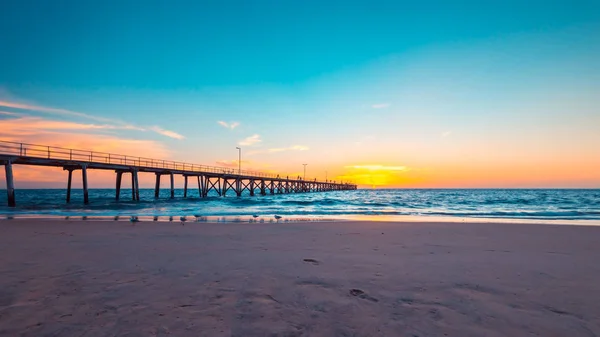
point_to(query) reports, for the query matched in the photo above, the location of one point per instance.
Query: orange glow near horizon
(365, 176)
(486, 175)
(576, 172)
(465, 164)
(374, 175)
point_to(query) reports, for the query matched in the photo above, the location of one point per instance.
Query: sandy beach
(109, 278)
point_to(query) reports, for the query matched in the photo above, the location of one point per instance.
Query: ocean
(534, 204)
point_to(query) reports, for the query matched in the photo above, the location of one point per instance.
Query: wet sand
(109, 278)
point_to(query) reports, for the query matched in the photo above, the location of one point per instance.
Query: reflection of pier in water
(209, 178)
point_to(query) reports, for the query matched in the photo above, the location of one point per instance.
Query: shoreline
(234, 218)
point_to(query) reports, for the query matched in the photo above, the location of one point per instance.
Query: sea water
(538, 204)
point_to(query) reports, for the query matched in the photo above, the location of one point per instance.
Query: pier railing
(61, 153)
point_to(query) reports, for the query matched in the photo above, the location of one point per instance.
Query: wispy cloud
(55, 111)
(446, 134)
(249, 141)
(278, 149)
(107, 122)
(377, 167)
(291, 148)
(38, 124)
(230, 125)
(380, 105)
(232, 163)
(227, 163)
(167, 133)
(78, 136)
(7, 113)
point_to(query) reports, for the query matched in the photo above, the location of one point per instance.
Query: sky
(409, 94)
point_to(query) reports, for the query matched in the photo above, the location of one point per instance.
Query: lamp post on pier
(239, 161)
(304, 178)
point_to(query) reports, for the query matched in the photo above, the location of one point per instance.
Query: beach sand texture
(103, 278)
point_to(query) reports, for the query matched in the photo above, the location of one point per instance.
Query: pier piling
(185, 182)
(69, 185)
(172, 186)
(137, 185)
(132, 186)
(157, 186)
(199, 188)
(118, 187)
(86, 199)
(10, 184)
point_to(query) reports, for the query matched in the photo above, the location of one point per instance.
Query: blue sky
(195, 44)
(436, 86)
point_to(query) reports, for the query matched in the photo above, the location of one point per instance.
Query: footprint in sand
(313, 261)
(361, 294)
(356, 292)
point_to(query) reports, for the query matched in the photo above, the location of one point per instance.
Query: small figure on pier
(183, 220)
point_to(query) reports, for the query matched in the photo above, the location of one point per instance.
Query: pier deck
(209, 178)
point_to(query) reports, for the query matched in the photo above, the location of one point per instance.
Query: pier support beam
(185, 181)
(135, 191)
(137, 185)
(172, 186)
(85, 184)
(10, 184)
(132, 186)
(200, 188)
(252, 187)
(157, 186)
(69, 180)
(118, 187)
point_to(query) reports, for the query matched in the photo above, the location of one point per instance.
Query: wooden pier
(209, 178)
